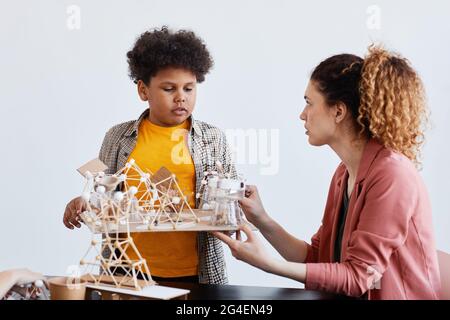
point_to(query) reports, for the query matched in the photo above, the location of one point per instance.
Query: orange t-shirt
(168, 254)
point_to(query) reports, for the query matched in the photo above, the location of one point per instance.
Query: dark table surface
(234, 292)
(238, 292)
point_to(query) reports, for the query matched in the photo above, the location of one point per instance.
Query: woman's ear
(341, 112)
(143, 90)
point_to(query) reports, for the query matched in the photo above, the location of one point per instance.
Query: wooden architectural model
(111, 212)
(133, 200)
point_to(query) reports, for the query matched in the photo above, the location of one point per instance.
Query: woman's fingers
(238, 235)
(248, 232)
(245, 202)
(223, 237)
(230, 241)
(250, 191)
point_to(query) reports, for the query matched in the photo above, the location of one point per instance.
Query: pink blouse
(388, 249)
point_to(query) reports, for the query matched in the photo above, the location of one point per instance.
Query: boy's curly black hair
(161, 48)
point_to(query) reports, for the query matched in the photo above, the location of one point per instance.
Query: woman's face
(171, 94)
(319, 118)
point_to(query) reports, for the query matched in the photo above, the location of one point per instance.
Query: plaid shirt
(207, 144)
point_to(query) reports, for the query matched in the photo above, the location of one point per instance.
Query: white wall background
(62, 88)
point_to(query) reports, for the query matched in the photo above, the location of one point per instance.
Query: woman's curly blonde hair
(392, 102)
(384, 94)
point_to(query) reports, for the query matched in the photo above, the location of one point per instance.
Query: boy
(166, 67)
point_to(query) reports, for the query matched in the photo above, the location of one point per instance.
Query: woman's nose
(303, 115)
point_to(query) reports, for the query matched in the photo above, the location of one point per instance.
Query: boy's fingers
(74, 219)
(66, 222)
(80, 206)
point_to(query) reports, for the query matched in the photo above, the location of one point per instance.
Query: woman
(376, 238)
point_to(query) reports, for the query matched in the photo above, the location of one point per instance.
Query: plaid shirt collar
(133, 130)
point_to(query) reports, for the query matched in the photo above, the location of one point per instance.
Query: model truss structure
(112, 205)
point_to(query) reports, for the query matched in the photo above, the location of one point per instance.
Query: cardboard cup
(65, 288)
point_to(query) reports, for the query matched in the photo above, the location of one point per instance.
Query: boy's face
(171, 94)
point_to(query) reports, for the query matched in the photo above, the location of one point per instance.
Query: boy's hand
(72, 213)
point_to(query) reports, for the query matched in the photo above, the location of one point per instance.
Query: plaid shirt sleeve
(226, 158)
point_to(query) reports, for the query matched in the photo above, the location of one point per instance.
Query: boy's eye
(168, 89)
(188, 89)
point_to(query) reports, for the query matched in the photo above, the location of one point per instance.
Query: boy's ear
(142, 90)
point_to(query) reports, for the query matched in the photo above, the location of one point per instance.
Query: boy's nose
(180, 98)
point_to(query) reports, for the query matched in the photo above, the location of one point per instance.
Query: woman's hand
(72, 213)
(251, 251)
(253, 208)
